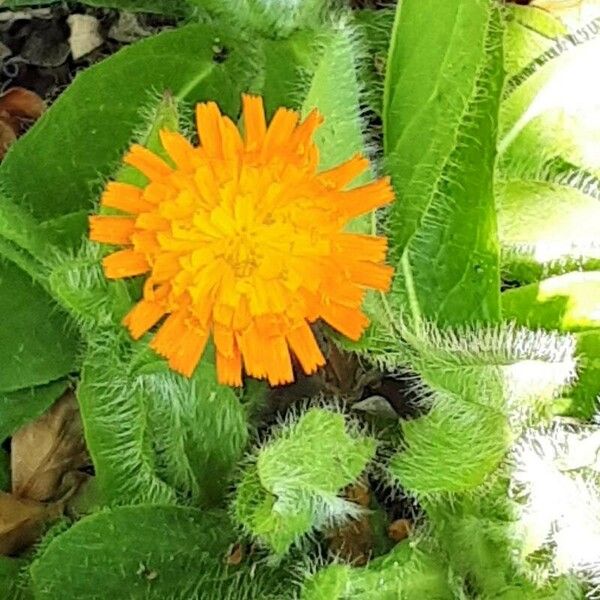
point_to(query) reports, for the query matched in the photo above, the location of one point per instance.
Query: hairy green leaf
(10, 579)
(19, 407)
(288, 64)
(142, 552)
(530, 31)
(37, 341)
(440, 114)
(291, 485)
(450, 450)
(406, 572)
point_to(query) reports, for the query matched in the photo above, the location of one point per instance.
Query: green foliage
(509, 497)
(566, 302)
(547, 228)
(37, 342)
(406, 573)
(292, 483)
(21, 406)
(184, 561)
(438, 460)
(439, 140)
(10, 579)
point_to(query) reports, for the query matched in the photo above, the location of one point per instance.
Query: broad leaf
(436, 458)
(37, 342)
(548, 228)
(406, 572)
(11, 580)
(552, 109)
(440, 113)
(291, 485)
(20, 407)
(144, 551)
(288, 65)
(335, 91)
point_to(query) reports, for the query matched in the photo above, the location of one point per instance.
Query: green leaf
(291, 486)
(450, 451)
(569, 302)
(175, 437)
(37, 343)
(11, 579)
(316, 455)
(138, 552)
(406, 572)
(115, 418)
(375, 27)
(548, 228)
(93, 121)
(440, 115)
(20, 407)
(165, 7)
(288, 65)
(584, 397)
(551, 109)
(197, 427)
(512, 370)
(530, 31)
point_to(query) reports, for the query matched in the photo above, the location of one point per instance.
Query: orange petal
(302, 342)
(343, 174)
(348, 321)
(377, 277)
(150, 165)
(277, 360)
(255, 126)
(125, 263)
(224, 340)
(188, 351)
(111, 230)
(125, 197)
(208, 117)
(251, 347)
(229, 369)
(366, 198)
(178, 148)
(304, 132)
(142, 317)
(167, 337)
(280, 129)
(367, 247)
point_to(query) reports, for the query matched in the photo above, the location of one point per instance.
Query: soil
(34, 44)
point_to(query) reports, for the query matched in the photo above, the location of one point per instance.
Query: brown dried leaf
(235, 555)
(354, 541)
(21, 522)
(45, 451)
(7, 136)
(22, 103)
(16, 106)
(400, 529)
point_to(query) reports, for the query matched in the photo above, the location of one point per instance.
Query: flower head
(242, 239)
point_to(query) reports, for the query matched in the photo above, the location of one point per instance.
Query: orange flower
(243, 239)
